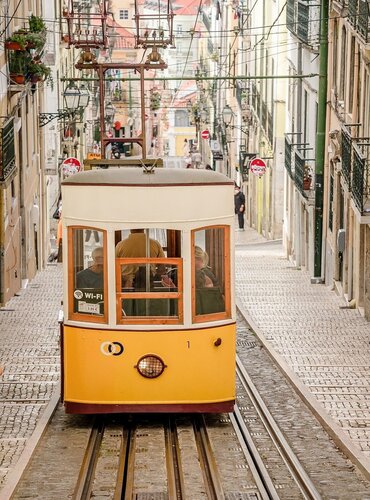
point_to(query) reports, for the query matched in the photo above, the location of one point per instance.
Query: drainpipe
(320, 141)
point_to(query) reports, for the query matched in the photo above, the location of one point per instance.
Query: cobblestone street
(321, 346)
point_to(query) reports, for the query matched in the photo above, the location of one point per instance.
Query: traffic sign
(257, 166)
(205, 134)
(70, 166)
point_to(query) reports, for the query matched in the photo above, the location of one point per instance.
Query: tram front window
(211, 282)
(88, 273)
(148, 275)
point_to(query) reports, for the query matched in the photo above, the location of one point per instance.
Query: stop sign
(257, 166)
(205, 134)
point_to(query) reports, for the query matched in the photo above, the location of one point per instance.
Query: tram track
(259, 469)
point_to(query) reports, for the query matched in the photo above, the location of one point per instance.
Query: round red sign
(257, 166)
(205, 134)
(71, 166)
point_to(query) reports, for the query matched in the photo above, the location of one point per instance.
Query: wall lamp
(76, 100)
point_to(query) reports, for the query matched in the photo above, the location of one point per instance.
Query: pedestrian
(239, 202)
(196, 159)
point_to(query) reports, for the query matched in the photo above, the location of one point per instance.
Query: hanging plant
(17, 41)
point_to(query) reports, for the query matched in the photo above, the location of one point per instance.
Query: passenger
(92, 277)
(136, 246)
(204, 278)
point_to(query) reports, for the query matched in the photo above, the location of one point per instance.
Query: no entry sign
(257, 166)
(205, 134)
(70, 166)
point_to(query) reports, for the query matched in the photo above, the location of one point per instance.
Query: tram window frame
(79, 316)
(142, 320)
(216, 316)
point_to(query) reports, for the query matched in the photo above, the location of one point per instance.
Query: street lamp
(227, 115)
(76, 99)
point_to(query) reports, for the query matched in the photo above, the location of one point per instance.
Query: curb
(15, 475)
(331, 427)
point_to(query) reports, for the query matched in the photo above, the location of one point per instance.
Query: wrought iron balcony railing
(303, 21)
(288, 160)
(352, 12)
(346, 155)
(363, 20)
(270, 127)
(299, 163)
(360, 178)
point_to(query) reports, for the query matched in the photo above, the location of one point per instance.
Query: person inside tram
(92, 277)
(204, 277)
(135, 245)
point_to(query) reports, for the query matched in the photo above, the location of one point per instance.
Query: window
(353, 74)
(123, 14)
(211, 274)
(343, 57)
(149, 276)
(87, 264)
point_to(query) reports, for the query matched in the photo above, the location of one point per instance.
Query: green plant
(19, 38)
(36, 39)
(18, 62)
(36, 24)
(42, 71)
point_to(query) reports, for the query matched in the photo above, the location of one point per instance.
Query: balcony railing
(303, 21)
(363, 21)
(264, 115)
(346, 155)
(288, 157)
(352, 12)
(299, 163)
(360, 178)
(270, 127)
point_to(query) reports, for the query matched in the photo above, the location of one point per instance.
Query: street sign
(257, 166)
(70, 166)
(205, 134)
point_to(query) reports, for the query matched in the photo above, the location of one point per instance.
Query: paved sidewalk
(323, 347)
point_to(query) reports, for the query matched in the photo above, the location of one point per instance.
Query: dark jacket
(239, 200)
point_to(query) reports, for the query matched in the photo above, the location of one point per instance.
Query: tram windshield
(149, 275)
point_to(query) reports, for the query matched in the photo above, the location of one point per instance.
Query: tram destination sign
(7, 156)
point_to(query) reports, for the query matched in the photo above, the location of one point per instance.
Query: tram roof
(136, 176)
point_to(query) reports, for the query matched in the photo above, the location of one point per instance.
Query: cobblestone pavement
(29, 353)
(324, 346)
(327, 347)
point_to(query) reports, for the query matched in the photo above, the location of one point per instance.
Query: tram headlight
(150, 366)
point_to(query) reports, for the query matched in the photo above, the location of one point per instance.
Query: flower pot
(14, 46)
(18, 79)
(35, 78)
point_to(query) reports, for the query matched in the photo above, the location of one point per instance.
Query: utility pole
(320, 140)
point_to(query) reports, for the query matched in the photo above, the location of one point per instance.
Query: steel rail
(84, 481)
(175, 478)
(208, 463)
(123, 483)
(292, 462)
(261, 476)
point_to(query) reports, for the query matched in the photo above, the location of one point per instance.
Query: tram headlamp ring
(150, 366)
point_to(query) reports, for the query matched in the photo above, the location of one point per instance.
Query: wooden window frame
(205, 318)
(76, 316)
(153, 320)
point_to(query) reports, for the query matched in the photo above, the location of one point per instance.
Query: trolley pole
(320, 140)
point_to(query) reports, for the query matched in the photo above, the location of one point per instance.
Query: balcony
(303, 21)
(360, 178)
(363, 20)
(288, 160)
(299, 163)
(352, 12)
(346, 155)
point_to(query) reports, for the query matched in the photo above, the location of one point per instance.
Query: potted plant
(307, 178)
(36, 40)
(18, 62)
(17, 41)
(39, 72)
(36, 24)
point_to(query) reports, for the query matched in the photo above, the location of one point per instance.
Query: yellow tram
(149, 312)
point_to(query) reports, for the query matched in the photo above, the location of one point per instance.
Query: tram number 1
(188, 342)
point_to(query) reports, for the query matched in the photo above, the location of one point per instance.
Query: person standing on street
(239, 201)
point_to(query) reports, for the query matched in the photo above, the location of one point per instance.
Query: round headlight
(150, 366)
